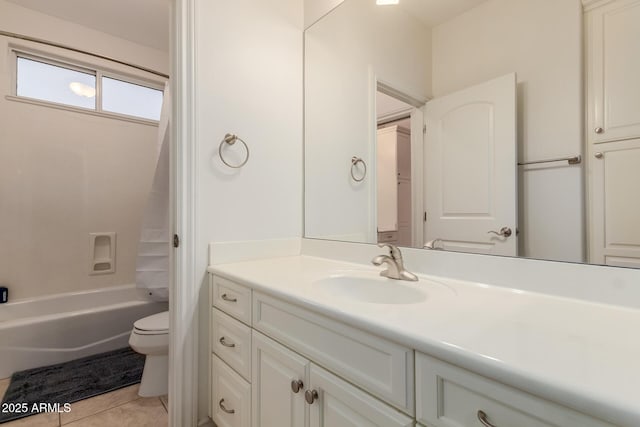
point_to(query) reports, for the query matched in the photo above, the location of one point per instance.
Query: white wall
(316, 9)
(249, 82)
(541, 41)
(345, 53)
(64, 174)
(20, 20)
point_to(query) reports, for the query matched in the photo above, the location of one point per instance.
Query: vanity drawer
(232, 298)
(231, 341)
(381, 367)
(448, 396)
(230, 396)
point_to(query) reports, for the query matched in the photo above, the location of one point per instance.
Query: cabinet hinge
(424, 128)
(425, 216)
(176, 241)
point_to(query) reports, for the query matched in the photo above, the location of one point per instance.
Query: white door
(339, 404)
(470, 169)
(615, 205)
(275, 370)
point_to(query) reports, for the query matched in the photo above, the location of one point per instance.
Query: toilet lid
(157, 322)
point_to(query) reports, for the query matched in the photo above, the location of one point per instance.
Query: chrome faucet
(395, 267)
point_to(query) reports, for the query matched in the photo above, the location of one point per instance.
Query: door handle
(504, 232)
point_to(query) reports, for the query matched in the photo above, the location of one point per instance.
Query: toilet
(150, 336)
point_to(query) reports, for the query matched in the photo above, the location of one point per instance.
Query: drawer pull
(483, 419)
(226, 298)
(225, 343)
(228, 411)
(310, 396)
(296, 385)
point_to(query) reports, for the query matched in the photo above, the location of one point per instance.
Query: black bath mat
(50, 387)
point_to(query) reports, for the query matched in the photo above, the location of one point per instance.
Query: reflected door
(470, 169)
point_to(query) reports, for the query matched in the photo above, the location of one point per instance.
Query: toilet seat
(156, 324)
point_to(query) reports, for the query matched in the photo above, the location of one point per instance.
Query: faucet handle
(393, 250)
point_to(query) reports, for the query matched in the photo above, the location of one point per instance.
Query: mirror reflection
(487, 126)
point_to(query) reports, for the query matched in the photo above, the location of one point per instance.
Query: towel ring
(231, 139)
(354, 162)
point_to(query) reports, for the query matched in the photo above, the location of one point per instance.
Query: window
(131, 99)
(48, 82)
(88, 89)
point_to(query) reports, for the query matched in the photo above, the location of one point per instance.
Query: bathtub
(58, 328)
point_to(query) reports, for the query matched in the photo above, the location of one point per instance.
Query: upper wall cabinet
(613, 69)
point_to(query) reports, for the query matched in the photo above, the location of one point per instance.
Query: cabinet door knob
(482, 417)
(228, 411)
(296, 385)
(599, 130)
(310, 396)
(598, 155)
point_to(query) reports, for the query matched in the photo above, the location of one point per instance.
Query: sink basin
(371, 288)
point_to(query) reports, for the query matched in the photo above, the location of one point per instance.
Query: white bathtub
(54, 329)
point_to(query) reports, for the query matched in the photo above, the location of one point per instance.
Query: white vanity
(308, 341)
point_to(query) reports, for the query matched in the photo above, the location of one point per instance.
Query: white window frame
(97, 71)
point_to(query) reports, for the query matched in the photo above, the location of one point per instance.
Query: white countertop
(580, 354)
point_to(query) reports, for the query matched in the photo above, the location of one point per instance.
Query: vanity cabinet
(257, 381)
(290, 367)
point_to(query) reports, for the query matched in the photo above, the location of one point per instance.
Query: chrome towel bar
(575, 160)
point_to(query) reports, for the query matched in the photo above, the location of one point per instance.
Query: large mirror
(504, 127)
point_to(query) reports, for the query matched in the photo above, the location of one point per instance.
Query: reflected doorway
(395, 216)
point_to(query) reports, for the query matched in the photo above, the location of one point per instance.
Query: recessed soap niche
(102, 250)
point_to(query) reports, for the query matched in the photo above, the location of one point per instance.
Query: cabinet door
(275, 403)
(614, 204)
(339, 404)
(613, 61)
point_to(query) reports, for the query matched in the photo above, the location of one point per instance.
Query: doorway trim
(183, 290)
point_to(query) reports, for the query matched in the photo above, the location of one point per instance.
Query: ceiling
(434, 12)
(145, 22)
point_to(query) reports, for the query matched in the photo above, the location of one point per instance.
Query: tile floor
(122, 408)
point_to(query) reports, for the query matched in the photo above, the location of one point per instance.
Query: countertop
(583, 355)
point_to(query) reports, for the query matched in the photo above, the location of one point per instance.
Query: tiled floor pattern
(122, 408)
